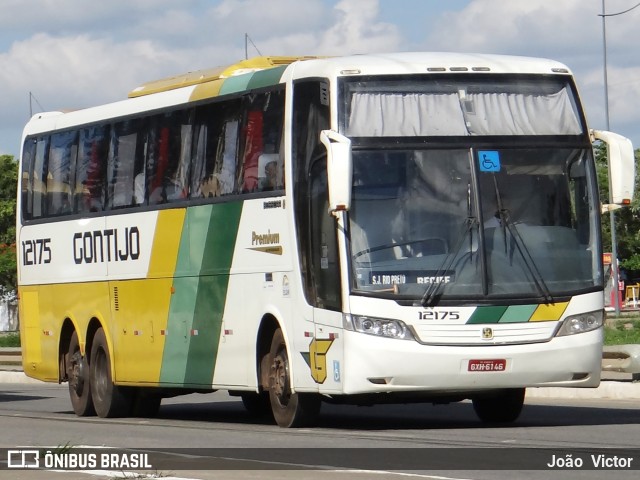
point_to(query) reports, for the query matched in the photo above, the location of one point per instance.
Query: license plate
(497, 365)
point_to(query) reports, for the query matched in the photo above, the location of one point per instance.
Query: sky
(71, 54)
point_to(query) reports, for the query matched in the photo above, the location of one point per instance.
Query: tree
(8, 184)
(627, 218)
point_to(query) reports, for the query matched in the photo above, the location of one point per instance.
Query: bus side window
(169, 144)
(26, 187)
(93, 148)
(253, 147)
(39, 180)
(62, 157)
(262, 136)
(126, 146)
(199, 156)
(215, 147)
(227, 157)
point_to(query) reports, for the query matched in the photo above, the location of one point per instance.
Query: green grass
(624, 331)
(10, 339)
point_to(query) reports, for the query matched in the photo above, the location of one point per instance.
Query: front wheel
(503, 407)
(109, 400)
(78, 377)
(289, 409)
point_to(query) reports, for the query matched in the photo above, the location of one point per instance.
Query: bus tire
(109, 400)
(503, 407)
(289, 409)
(78, 378)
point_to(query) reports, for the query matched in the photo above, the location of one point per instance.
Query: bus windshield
(470, 187)
(444, 223)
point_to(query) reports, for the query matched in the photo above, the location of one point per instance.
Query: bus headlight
(585, 322)
(381, 327)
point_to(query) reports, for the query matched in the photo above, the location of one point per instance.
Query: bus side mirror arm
(621, 166)
(339, 170)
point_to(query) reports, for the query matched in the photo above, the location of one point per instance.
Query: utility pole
(614, 247)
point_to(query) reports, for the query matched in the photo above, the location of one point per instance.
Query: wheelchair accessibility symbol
(489, 160)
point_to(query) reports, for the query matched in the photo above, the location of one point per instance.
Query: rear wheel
(109, 400)
(78, 377)
(503, 407)
(289, 409)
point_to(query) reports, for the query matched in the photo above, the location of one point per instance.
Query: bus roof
(428, 62)
(409, 62)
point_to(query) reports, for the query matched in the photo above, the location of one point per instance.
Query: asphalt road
(381, 442)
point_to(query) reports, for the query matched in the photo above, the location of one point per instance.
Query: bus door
(325, 351)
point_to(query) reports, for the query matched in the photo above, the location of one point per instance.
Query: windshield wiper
(433, 288)
(394, 245)
(507, 224)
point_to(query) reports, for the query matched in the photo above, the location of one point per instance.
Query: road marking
(402, 474)
(121, 474)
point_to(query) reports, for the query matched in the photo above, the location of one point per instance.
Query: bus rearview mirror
(339, 169)
(621, 165)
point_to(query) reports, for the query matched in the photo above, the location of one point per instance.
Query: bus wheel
(109, 400)
(257, 404)
(503, 407)
(289, 409)
(78, 375)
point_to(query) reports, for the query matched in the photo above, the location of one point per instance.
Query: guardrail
(622, 358)
(10, 357)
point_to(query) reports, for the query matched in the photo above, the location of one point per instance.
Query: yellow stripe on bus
(139, 325)
(546, 313)
(207, 90)
(166, 243)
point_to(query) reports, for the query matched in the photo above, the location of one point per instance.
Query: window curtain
(405, 115)
(424, 114)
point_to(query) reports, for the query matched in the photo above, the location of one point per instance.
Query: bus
(413, 227)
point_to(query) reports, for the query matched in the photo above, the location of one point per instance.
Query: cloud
(357, 29)
(270, 25)
(73, 16)
(510, 27)
(76, 69)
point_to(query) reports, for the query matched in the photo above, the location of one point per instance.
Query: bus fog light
(584, 322)
(381, 327)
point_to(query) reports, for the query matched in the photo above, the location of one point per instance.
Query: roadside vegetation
(10, 339)
(622, 331)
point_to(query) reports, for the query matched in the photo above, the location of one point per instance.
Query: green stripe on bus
(200, 288)
(487, 315)
(185, 287)
(212, 292)
(235, 84)
(266, 78)
(518, 313)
